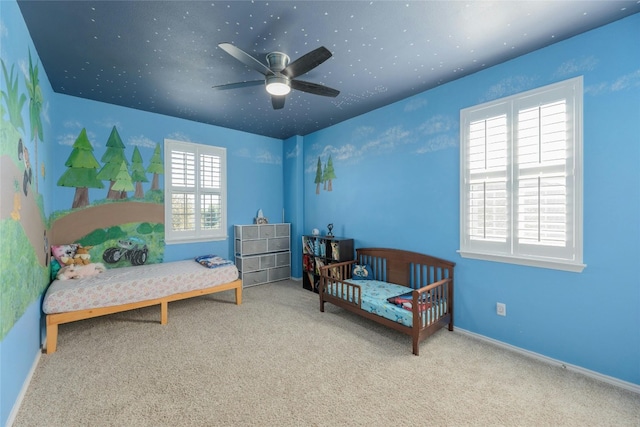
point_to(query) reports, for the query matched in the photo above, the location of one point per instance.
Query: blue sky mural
(144, 131)
(397, 185)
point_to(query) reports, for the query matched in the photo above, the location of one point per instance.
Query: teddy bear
(79, 271)
(82, 256)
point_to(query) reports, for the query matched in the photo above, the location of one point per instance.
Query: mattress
(126, 285)
(374, 300)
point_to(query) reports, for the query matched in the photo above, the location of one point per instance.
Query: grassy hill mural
(24, 252)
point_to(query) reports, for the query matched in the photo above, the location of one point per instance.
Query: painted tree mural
(35, 109)
(318, 179)
(112, 160)
(12, 99)
(329, 175)
(325, 175)
(123, 181)
(138, 175)
(156, 167)
(82, 171)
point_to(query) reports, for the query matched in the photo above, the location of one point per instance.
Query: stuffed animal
(64, 253)
(82, 256)
(79, 271)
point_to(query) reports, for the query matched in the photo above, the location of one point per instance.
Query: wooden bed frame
(422, 274)
(53, 320)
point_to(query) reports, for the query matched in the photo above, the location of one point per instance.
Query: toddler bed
(407, 291)
(129, 288)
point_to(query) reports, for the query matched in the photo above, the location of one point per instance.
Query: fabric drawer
(267, 261)
(267, 231)
(248, 264)
(247, 232)
(278, 244)
(282, 230)
(282, 259)
(248, 247)
(254, 278)
(279, 273)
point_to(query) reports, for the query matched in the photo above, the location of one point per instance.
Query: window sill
(177, 241)
(531, 262)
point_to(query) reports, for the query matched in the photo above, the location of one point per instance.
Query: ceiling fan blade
(307, 62)
(277, 102)
(314, 88)
(239, 85)
(245, 58)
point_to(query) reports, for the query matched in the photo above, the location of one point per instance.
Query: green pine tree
(112, 160)
(123, 181)
(156, 167)
(318, 178)
(329, 175)
(138, 174)
(82, 171)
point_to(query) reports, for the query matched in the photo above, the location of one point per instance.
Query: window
(521, 178)
(195, 192)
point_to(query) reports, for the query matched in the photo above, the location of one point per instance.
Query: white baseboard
(589, 373)
(23, 391)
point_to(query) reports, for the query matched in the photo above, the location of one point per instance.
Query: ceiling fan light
(278, 85)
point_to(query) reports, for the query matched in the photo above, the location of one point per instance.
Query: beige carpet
(277, 361)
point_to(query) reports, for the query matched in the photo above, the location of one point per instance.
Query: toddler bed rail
(425, 284)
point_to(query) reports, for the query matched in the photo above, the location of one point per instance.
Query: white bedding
(125, 285)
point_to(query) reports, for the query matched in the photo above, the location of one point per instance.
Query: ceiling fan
(280, 75)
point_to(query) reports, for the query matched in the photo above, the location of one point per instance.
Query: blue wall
(397, 185)
(294, 190)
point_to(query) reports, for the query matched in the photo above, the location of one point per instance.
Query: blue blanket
(213, 261)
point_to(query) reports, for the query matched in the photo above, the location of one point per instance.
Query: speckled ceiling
(163, 56)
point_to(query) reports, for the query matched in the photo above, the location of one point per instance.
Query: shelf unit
(318, 251)
(263, 253)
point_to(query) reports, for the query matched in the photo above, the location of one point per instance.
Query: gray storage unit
(263, 253)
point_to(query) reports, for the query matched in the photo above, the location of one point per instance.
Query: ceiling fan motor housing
(277, 61)
(277, 84)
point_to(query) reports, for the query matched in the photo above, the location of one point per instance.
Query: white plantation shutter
(521, 178)
(195, 192)
(210, 189)
(487, 180)
(543, 146)
(183, 190)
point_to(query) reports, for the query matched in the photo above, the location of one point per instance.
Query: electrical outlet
(501, 309)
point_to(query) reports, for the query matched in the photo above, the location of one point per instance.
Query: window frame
(510, 250)
(197, 234)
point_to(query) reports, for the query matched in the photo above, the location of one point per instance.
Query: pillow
(64, 253)
(406, 301)
(361, 272)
